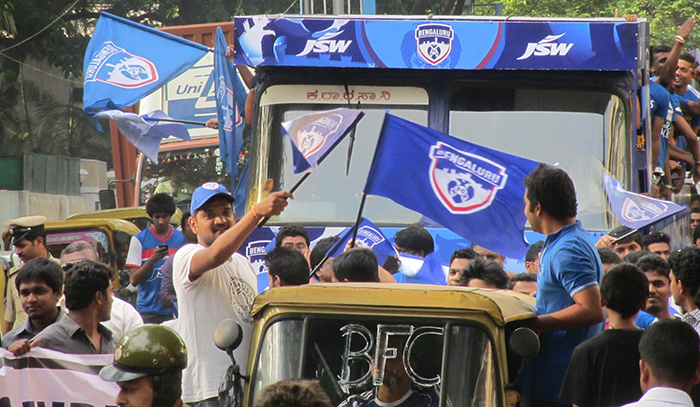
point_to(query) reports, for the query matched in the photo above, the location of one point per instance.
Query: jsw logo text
(547, 47)
(325, 46)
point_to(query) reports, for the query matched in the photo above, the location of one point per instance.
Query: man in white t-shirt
(213, 283)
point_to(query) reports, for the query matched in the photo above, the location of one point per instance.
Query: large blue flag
(230, 102)
(126, 61)
(634, 210)
(369, 236)
(474, 191)
(315, 135)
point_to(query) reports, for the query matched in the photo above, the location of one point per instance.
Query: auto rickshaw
(137, 215)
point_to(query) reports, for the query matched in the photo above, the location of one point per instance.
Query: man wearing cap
(148, 363)
(29, 238)
(214, 283)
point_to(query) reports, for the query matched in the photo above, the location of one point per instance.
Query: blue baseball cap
(207, 191)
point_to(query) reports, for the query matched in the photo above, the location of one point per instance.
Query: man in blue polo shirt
(568, 294)
(147, 254)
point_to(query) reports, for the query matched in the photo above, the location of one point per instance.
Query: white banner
(45, 378)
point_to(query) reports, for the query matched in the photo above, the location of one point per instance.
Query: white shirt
(663, 396)
(226, 292)
(124, 318)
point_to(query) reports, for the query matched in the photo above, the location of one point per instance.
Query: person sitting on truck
(604, 370)
(568, 296)
(147, 254)
(286, 267)
(40, 286)
(293, 237)
(458, 261)
(357, 265)
(483, 273)
(213, 283)
(622, 240)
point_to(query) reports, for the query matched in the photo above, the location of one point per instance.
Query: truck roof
(501, 305)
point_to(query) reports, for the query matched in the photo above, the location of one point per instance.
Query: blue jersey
(141, 249)
(690, 96)
(414, 398)
(660, 106)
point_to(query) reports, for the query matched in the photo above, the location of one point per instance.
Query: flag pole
(264, 220)
(153, 119)
(626, 235)
(357, 221)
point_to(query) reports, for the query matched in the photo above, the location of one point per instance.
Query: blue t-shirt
(414, 398)
(569, 264)
(660, 106)
(690, 96)
(141, 249)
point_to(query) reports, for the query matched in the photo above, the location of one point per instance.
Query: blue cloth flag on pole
(474, 191)
(637, 211)
(368, 236)
(315, 135)
(145, 132)
(230, 102)
(126, 61)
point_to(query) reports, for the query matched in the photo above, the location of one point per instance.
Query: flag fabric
(230, 102)
(472, 190)
(145, 132)
(418, 270)
(634, 210)
(368, 236)
(126, 61)
(315, 135)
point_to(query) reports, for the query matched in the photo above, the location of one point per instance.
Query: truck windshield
(435, 363)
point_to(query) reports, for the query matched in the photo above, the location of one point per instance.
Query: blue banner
(315, 135)
(228, 108)
(126, 61)
(368, 236)
(474, 191)
(437, 44)
(634, 210)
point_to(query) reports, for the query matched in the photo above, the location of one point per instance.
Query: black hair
(41, 269)
(608, 256)
(467, 253)
(654, 262)
(289, 264)
(83, 280)
(293, 393)
(160, 203)
(291, 231)
(554, 190)
(358, 265)
(696, 234)
(685, 264)
(671, 348)
(687, 58)
(625, 289)
(522, 277)
(413, 239)
(184, 221)
(318, 253)
(533, 252)
(655, 237)
(622, 231)
(634, 257)
(482, 269)
(658, 49)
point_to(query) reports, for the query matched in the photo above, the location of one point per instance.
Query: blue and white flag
(368, 236)
(145, 132)
(474, 191)
(418, 270)
(315, 135)
(230, 102)
(634, 210)
(126, 61)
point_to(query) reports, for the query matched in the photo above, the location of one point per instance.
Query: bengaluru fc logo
(115, 66)
(229, 109)
(642, 211)
(312, 137)
(368, 237)
(464, 182)
(434, 42)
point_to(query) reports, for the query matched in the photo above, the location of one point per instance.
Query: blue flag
(315, 135)
(145, 132)
(230, 102)
(369, 236)
(474, 191)
(126, 61)
(637, 211)
(418, 270)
